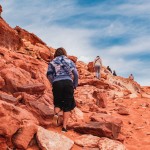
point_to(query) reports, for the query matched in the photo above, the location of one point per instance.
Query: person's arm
(75, 80)
(75, 74)
(50, 73)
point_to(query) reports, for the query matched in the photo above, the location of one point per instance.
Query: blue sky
(116, 30)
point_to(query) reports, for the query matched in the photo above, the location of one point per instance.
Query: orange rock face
(9, 37)
(23, 34)
(73, 58)
(90, 67)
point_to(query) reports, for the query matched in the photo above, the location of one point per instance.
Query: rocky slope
(111, 113)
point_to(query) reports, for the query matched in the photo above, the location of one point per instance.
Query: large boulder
(108, 144)
(8, 36)
(13, 118)
(42, 111)
(23, 136)
(73, 58)
(19, 80)
(102, 126)
(86, 140)
(112, 123)
(101, 98)
(8, 98)
(37, 88)
(49, 140)
(90, 67)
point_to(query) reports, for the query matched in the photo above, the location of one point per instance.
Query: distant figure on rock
(0, 10)
(114, 73)
(97, 64)
(131, 77)
(60, 71)
(109, 69)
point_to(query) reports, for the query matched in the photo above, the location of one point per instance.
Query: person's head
(60, 51)
(97, 57)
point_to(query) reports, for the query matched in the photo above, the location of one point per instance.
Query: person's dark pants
(63, 93)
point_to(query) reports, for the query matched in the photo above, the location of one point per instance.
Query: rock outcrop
(0, 10)
(9, 37)
(110, 107)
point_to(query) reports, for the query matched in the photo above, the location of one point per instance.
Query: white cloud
(137, 45)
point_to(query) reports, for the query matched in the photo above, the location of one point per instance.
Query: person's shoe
(55, 120)
(64, 130)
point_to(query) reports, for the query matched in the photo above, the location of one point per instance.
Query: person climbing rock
(131, 77)
(108, 68)
(97, 64)
(114, 73)
(59, 73)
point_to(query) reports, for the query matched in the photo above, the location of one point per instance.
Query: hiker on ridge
(60, 71)
(131, 77)
(114, 73)
(97, 64)
(108, 68)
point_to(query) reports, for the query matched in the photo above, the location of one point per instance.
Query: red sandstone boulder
(9, 37)
(0, 9)
(123, 111)
(23, 34)
(14, 78)
(8, 98)
(114, 124)
(90, 67)
(32, 88)
(108, 144)
(86, 140)
(101, 99)
(50, 140)
(12, 118)
(100, 84)
(73, 58)
(19, 80)
(44, 113)
(45, 54)
(23, 136)
(102, 126)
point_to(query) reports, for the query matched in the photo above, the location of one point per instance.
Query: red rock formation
(101, 99)
(73, 58)
(90, 67)
(23, 34)
(9, 37)
(0, 10)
